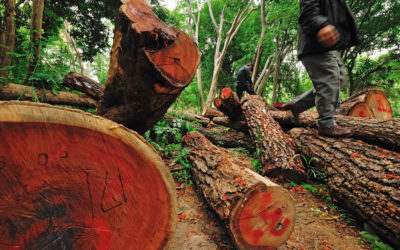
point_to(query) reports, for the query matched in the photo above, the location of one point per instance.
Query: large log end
(72, 180)
(264, 218)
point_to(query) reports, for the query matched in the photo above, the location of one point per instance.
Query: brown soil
(317, 226)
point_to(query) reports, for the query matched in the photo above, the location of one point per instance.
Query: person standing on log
(243, 82)
(326, 27)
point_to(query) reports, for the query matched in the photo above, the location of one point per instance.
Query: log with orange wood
(69, 179)
(257, 212)
(364, 179)
(385, 133)
(151, 64)
(73, 180)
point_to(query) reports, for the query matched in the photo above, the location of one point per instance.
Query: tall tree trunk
(36, 34)
(219, 56)
(264, 75)
(362, 178)
(8, 38)
(259, 51)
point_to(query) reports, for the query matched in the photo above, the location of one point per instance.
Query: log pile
(362, 175)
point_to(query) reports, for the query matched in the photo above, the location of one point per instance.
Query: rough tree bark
(7, 44)
(228, 138)
(36, 34)
(151, 63)
(26, 93)
(369, 103)
(84, 84)
(277, 149)
(385, 134)
(196, 18)
(364, 179)
(257, 212)
(71, 180)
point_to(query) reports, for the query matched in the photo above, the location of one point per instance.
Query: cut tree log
(364, 179)
(212, 112)
(257, 212)
(26, 93)
(229, 104)
(73, 180)
(151, 63)
(370, 103)
(277, 150)
(385, 134)
(228, 138)
(84, 84)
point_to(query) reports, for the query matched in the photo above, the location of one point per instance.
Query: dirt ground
(317, 226)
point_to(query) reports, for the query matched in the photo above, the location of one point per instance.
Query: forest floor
(319, 225)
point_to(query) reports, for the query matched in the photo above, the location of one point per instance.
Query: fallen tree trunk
(277, 149)
(211, 113)
(27, 93)
(71, 179)
(151, 63)
(84, 84)
(370, 103)
(228, 138)
(385, 134)
(257, 212)
(364, 179)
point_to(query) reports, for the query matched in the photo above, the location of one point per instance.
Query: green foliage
(310, 188)
(166, 137)
(257, 166)
(375, 241)
(313, 172)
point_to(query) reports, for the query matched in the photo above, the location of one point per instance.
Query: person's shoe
(335, 132)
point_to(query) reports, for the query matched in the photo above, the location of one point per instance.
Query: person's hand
(328, 36)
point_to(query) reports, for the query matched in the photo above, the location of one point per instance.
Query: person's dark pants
(244, 87)
(328, 74)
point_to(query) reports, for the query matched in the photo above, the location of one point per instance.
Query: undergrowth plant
(166, 137)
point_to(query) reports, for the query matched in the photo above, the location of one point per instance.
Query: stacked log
(257, 212)
(369, 103)
(27, 93)
(71, 180)
(363, 178)
(277, 150)
(151, 64)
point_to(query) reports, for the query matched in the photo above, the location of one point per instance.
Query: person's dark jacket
(243, 82)
(316, 14)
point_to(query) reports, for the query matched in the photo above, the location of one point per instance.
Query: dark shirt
(316, 14)
(244, 83)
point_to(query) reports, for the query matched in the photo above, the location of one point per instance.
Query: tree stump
(277, 149)
(257, 212)
(370, 103)
(362, 178)
(71, 180)
(151, 63)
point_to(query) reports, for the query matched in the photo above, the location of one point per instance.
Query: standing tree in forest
(244, 9)
(36, 33)
(7, 37)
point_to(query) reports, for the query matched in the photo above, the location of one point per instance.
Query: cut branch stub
(151, 63)
(84, 84)
(257, 212)
(73, 180)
